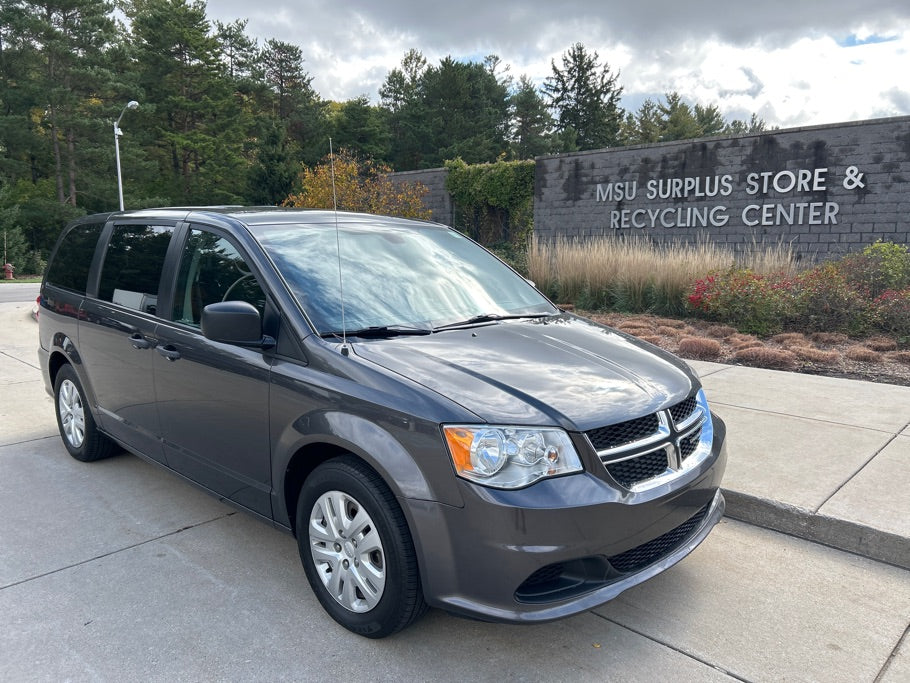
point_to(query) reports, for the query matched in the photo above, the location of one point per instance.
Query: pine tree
(531, 131)
(585, 96)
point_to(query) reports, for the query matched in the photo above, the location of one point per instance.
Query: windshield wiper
(489, 318)
(379, 332)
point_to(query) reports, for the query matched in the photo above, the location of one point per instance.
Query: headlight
(510, 457)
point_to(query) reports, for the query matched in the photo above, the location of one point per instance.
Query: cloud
(793, 63)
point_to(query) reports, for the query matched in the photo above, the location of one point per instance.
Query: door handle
(140, 342)
(168, 352)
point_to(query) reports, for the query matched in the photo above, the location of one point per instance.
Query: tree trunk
(58, 161)
(71, 151)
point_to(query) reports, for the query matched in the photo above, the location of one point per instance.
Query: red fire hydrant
(8, 269)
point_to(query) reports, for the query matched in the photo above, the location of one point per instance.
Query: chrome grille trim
(662, 434)
(686, 443)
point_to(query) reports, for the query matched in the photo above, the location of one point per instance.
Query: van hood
(561, 370)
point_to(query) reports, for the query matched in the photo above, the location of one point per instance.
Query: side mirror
(234, 322)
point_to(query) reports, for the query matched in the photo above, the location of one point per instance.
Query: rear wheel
(357, 550)
(74, 419)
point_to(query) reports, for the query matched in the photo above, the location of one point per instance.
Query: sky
(792, 62)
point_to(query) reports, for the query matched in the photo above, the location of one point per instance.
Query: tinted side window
(132, 266)
(70, 265)
(212, 270)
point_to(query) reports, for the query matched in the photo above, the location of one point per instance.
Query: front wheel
(74, 419)
(357, 550)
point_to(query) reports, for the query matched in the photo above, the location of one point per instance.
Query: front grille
(689, 444)
(622, 433)
(648, 553)
(636, 451)
(630, 472)
(683, 410)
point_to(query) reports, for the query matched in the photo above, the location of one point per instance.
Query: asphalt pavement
(118, 570)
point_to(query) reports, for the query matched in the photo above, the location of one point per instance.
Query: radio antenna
(344, 334)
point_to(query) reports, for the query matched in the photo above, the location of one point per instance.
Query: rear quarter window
(70, 265)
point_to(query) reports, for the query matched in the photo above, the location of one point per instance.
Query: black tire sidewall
(92, 447)
(348, 476)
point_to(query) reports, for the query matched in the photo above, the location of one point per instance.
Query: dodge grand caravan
(431, 428)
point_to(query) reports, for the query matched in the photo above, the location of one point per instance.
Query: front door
(213, 398)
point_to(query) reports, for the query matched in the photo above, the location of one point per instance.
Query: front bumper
(568, 546)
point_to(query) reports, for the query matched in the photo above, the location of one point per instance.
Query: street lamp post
(132, 104)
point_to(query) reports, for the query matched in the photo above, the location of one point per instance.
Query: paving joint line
(24, 362)
(118, 550)
(674, 648)
(37, 438)
(714, 402)
(861, 468)
(893, 656)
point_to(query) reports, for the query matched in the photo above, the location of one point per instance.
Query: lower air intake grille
(648, 553)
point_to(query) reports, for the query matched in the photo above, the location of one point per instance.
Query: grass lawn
(23, 280)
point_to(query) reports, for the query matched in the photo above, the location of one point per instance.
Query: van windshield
(395, 276)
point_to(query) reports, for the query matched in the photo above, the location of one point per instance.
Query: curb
(851, 537)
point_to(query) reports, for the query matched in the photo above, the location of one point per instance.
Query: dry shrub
(881, 344)
(813, 355)
(567, 307)
(699, 348)
(764, 357)
(635, 322)
(651, 339)
(671, 332)
(861, 353)
(899, 357)
(720, 331)
(746, 344)
(828, 337)
(635, 330)
(670, 322)
(790, 338)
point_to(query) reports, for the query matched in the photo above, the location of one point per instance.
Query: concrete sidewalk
(823, 459)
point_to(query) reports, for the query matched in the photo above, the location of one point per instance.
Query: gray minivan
(430, 427)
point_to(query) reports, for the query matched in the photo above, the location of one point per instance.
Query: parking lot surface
(118, 570)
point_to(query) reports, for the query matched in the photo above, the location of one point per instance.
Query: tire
(357, 550)
(74, 419)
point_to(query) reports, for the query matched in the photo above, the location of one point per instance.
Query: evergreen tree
(400, 96)
(585, 96)
(67, 41)
(466, 112)
(239, 51)
(361, 129)
(296, 103)
(678, 121)
(272, 175)
(739, 127)
(709, 120)
(197, 124)
(644, 126)
(531, 130)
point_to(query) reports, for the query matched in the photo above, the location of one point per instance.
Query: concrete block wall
(437, 199)
(826, 190)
